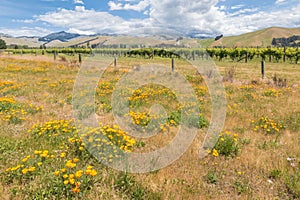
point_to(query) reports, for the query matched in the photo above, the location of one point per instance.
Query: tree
(2, 44)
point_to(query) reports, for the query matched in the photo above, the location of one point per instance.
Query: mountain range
(61, 36)
(262, 37)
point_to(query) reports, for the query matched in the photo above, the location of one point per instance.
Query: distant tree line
(293, 41)
(117, 46)
(135, 46)
(2, 44)
(16, 46)
(218, 37)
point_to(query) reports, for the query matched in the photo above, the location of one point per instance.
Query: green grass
(247, 164)
(204, 43)
(262, 38)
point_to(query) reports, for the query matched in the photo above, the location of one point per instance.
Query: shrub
(227, 145)
(267, 125)
(2, 44)
(211, 177)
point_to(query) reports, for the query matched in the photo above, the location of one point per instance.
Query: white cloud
(187, 16)
(115, 6)
(26, 21)
(280, 1)
(141, 6)
(26, 31)
(203, 16)
(262, 19)
(82, 20)
(243, 11)
(223, 8)
(53, 0)
(78, 2)
(237, 6)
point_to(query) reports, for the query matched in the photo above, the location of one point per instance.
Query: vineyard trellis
(274, 54)
(271, 54)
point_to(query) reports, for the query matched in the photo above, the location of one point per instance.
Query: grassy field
(262, 38)
(42, 155)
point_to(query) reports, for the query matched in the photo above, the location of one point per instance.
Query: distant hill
(78, 41)
(4, 35)
(109, 41)
(61, 36)
(22, 41)
(262, 37)
(64, 39)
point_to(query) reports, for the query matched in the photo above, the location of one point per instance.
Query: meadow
(43, 156)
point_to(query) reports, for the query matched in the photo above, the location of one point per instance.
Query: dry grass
(249, 175)
(257, 38)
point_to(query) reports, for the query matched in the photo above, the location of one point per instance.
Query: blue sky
(202, 17)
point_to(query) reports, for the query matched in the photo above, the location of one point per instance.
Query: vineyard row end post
(54, 55)
(263, 69)
(79, 58)
(173, 64)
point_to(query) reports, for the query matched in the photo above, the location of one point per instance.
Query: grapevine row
(234, 54)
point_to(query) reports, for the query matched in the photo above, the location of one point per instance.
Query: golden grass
(245, 176)
(257, 38)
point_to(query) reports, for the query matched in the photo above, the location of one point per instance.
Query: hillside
(59, 40)
(61, 36)
(258, 38)
(29, 41)
(262, 37)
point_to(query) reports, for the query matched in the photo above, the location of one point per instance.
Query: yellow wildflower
(78, 174)
(93, 172)
(215, 153)
(31, 169)
(24, 171)
(76, 189)
(72, 181)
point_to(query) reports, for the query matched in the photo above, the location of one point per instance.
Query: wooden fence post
(284, 55)
(263, 69)
(152, 54)
(54, 55)
(297, 56)
(79, 58)
(193, 55)
(115, 62)
(173, 64)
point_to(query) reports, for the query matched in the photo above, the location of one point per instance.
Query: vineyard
(149, 100)
(44, 156)
(278, 54)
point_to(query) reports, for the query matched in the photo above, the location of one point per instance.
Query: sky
(133, 17)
